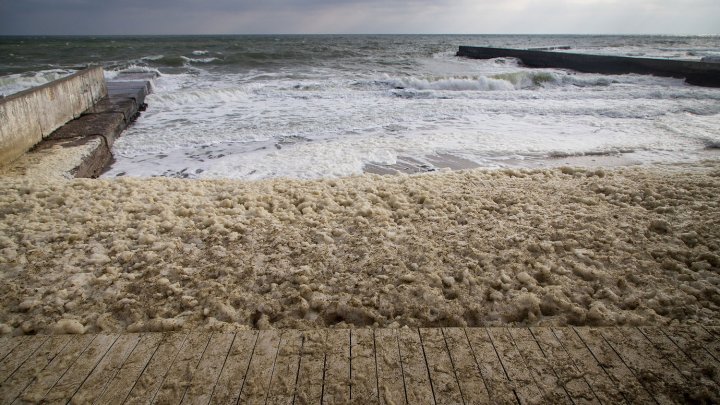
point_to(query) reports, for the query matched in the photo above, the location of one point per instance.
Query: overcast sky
(95, 17)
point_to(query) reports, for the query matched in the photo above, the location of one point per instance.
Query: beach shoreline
(564, 246)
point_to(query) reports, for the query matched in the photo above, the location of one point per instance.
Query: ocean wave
(133, 68)
(499, 82)
(199, 60)
(597, 152)
(15, 83)
(198, 97)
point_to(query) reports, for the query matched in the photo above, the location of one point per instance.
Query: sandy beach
(622, 246)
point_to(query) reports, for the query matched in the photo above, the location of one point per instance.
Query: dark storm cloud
(361, 16)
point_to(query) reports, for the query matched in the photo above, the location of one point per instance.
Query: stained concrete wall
(698, 73)
(31, 115)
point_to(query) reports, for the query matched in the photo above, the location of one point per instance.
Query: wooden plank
(8, 343)
(418, 387)
(208, 370)
(668, 349)
(623, 377)
(257, 380)
(696, 382)
(565, 369)
(49, 376)
(499, 386)
(539, 366)
(336, 386)
(472, 384)
(446, 387)
(285, 375)
(71, 381)
(525, 387)
(700, 336)
(715, 330)
(695, 350)
(182, 371)
(600, 381)
(364, 388)
(122, 383)
(95, 384)
(312, 365)
(232, 376)
(23, 376)
(20, 353)
(658, 375)
(389, 368)
(152, 376)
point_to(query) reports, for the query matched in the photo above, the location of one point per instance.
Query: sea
(319, 106)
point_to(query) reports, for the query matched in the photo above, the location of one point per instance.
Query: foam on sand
(627, 246)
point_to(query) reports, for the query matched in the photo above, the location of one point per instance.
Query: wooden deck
(365, 366)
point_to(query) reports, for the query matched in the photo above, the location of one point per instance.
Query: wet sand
(565, 246)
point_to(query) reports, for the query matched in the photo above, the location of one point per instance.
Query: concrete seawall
(80, 147)
(28, 117)
(698, 73)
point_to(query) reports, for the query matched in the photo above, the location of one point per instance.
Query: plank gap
(222, 368)
(242, 386)
(629, 368)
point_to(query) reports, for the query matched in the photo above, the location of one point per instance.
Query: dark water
(232, 53)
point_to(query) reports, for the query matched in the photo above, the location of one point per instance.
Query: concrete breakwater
(698, 73)
(70, 123)
(32, 115)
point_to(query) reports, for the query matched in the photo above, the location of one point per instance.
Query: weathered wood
(628, 384)
(658, 375)
(418, 387)
(695, 350)
(336, 387)
(108, 367)
(257, 381)
(21, 378)
(17, 357)
(70, 382)
(472, 384)
(541, 370)
(120, 386)
(208, 370)
(232, 376)
(391, 384)
(499, 386)
(7, 344)
(312, 364)
(285, 375)
(600, 381)
(702, 337)
(152, 377)
(715, 330)
(442, 373)
(364, 388)
(697, 388)
(569, 375)
(389, 366)
(182, 371)
(49, 376)
(513, 363)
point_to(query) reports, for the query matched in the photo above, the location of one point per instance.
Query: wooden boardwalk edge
(366, 366)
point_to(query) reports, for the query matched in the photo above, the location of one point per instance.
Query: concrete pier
(28, 117)
(698, 73)
(82, 146)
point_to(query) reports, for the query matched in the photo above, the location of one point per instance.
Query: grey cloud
(350, 16)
